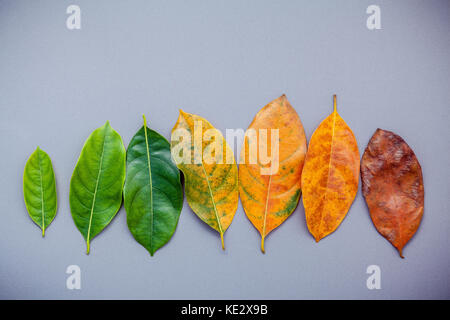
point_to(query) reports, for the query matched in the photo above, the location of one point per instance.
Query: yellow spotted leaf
(209, 168)
(330, 176)
(271, 164)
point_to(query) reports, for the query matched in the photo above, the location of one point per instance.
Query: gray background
(223, 60)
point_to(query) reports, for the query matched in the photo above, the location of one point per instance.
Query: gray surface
(223, 60)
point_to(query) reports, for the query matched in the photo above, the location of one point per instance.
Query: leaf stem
(221, 238)
(334, 103)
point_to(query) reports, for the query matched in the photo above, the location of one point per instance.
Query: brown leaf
(392, 185)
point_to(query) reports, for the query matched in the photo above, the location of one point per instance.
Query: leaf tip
(107, 124)
(181, 114)
(281, 100)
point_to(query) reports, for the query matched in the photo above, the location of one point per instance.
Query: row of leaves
(327, 173)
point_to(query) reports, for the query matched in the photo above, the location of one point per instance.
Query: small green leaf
(97, 182)
(39, 189)
(153, 195)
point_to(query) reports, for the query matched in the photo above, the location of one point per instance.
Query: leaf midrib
(210, 191)
(268, 192)
(95, 193)
(329, 169)
(42, 193)
(147, 148)
(265, 209)
(213, 202)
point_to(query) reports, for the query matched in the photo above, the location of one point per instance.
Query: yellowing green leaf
(209, 168)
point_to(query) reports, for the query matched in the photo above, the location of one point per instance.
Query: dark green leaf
(153, 196)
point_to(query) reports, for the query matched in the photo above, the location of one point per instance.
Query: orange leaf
(330, 176)
(270, 190)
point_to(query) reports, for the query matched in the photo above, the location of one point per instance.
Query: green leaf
(97, 182)
(39, 189)
(153, 195)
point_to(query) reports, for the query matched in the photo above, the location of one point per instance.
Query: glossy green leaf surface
(97, 182)
(39, 189)
(153, 195)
